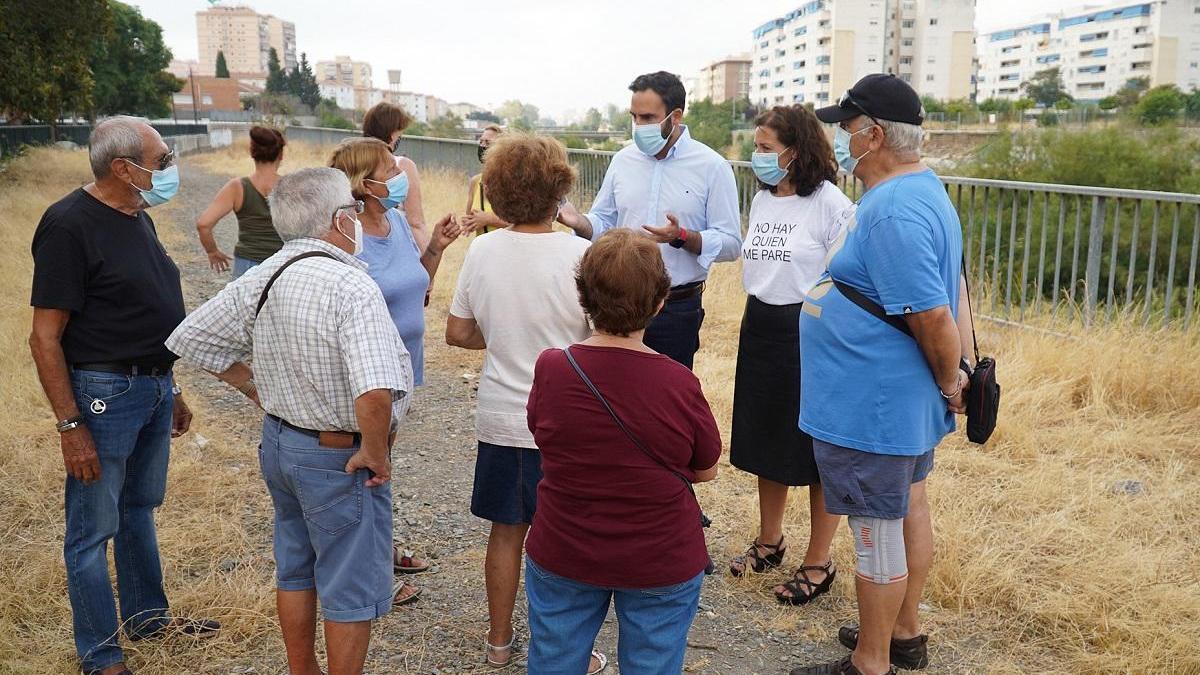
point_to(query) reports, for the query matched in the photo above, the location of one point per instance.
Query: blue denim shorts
(506, 479)
(332, 533)
(858, 483)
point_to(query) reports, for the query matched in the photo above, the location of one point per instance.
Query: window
(823, 78)
(762, 59)
(780, 52)
(907, 23)
(822, 96)
(778, 69)
(1013, 63)
(799, 64)
(1140, 30)
(798, 80)
(906, 77)
(1140, 65)
(800, 31)
(1048, 58)
(905, 60)
(1092, 53)
(906, 42)
(798, 98)
(1009, 77)
(823, 23)
(929, 78)
(1142, 45)
(823, 60)
(1092, 37)
(779, 84)
(1092, 69)
(933, 22)
(1010, 49)
(765, 43)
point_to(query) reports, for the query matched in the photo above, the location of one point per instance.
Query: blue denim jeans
(241, 266)
(675, 332)
(565, 616)
(332, 532)
(132, 432)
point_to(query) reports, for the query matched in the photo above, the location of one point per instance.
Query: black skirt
(766, 397)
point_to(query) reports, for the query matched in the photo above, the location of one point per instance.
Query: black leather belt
(312, 432)
(685, 291)
(151, 369)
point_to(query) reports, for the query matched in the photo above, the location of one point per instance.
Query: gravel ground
(736, 631)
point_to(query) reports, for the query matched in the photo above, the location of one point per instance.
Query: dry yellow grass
(1037, 553)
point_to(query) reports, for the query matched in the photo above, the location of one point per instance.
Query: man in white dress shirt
(676, 190)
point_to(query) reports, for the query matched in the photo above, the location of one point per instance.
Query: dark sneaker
(843, 667)
(911, 654)
(196, 628)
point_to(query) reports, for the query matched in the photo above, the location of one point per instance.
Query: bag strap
(262, 298)
(637, 442)
(856, 296)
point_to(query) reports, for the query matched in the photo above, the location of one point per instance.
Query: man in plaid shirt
(333, 376)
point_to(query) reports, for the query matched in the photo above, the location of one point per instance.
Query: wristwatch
(69, 424)
(680, 240)
(176, 389)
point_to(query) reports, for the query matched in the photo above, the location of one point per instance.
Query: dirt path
(739, 629)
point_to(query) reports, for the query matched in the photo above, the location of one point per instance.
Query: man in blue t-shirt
(880, 353)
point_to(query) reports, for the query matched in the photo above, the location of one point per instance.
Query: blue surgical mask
(164, 184)
(841, 148)
(397, 190)
(649, 137)
(766, 167)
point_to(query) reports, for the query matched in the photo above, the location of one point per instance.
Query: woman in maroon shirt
(615, 521)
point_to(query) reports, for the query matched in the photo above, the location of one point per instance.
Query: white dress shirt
(693, 183)
(323, 338)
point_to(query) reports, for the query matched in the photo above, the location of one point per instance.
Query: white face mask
(358, 234)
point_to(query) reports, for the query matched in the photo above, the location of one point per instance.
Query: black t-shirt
(111, 272)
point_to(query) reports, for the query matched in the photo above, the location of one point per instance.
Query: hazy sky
(557, 54)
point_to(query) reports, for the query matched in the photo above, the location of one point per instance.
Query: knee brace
(879, 544)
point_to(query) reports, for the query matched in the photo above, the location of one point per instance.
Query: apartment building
(415, 104)
(344, 70)
(1097, 50)
(817, 51)
(246, 38)
(720, 81)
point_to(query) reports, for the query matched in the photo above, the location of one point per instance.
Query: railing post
(1091, 278)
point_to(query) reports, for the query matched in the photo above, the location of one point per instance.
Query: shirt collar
(312, 244)
(682, 143)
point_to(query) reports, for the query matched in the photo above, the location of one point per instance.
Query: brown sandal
(406, 562)
(756, 562)
(812, 590)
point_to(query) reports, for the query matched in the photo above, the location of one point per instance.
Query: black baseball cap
(879, 96)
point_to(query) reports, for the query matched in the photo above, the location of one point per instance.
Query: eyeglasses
(358, 207)
(164, 162)
(847, 98)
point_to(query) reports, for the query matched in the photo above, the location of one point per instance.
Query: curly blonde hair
(358, 158)
(525, 176)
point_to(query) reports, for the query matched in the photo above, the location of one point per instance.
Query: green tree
(44, 57)
(574, 142)
(995, 105)
(484, 116)
(222, 67)
(1110, 103)
(446, 126)
(1021, 105)
(592, 120)
(1160, 105)
(1127, 96)
(520, 124)
(711, 123)
(277, 79)
(302, 83)
(512, 110)
(417, 129)
(1046, 87)
(1192, 106)
(932, 105)
(129, 64)
(618, 119)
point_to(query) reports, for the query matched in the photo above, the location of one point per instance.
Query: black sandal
(910, 654)
(756, 562)
(811, 590)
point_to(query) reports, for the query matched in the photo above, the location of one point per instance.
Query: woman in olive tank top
(246, 198)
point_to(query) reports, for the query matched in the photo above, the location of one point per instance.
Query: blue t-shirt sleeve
(903, 266)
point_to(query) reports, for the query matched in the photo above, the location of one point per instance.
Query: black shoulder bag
(704, 520)
(262, 298)
(983, 394)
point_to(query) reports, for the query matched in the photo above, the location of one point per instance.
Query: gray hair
(901, 138)
(303, 202)
(114, 137)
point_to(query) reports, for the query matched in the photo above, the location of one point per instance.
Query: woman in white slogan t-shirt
(792, 227)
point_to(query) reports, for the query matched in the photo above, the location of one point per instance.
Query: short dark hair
(384, 119)
(799, 129)
(667, 85)
(621, 279)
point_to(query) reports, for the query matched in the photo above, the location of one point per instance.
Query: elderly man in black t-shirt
(105, 296)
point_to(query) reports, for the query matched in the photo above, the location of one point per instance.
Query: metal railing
(1031, 248)
(15, 136)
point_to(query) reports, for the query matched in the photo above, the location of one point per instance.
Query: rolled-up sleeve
(603, 214)
(374, 354)
(722, 237)
(216, 335)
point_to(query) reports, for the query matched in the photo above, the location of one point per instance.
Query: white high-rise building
(817, 51)
(1097, 50)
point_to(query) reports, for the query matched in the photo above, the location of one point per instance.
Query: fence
(15, 136)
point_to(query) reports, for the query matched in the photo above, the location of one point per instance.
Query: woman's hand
(445, 232)
(476, 221)
(218, 260)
